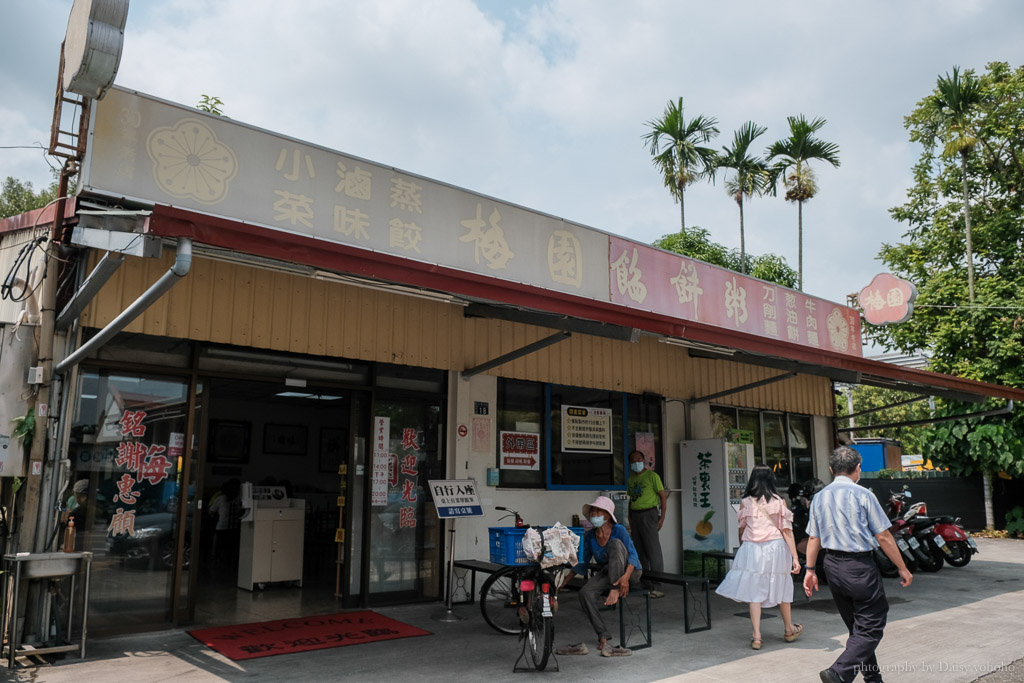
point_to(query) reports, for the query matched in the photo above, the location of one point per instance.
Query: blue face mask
(597, 521)
(637, 467)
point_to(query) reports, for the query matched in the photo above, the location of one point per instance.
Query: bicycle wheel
(540, 632)
(499, 601)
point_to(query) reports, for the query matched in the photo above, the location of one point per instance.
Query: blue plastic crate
(507, 544)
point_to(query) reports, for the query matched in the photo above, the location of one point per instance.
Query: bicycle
(521, 600)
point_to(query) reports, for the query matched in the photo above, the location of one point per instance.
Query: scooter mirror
(906, 492)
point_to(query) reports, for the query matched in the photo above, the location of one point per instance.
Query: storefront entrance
(363, 541)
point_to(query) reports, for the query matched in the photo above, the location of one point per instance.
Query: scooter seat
(944, 519)
(920, 522)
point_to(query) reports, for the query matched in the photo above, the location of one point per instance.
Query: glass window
(776, 448)
(723, 420)
(126, 445)
(645, 428)
(750, 420)
(589, 451)
(800, 448)
(521, 446)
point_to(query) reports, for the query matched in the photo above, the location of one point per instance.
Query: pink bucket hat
(602, 503)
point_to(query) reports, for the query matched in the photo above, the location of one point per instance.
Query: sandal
(617, 651)
(797, 630)
(755, 643)
(574, 649)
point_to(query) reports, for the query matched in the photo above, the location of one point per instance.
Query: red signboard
(662, 282)
(888, 299)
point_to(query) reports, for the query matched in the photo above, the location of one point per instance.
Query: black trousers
(857, 589)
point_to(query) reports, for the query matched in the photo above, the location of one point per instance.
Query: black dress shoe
(829, 676)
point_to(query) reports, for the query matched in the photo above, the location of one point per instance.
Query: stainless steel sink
(43, 565)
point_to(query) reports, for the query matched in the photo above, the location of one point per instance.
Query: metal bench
(474, 566)
(696, 597)
(720, 557)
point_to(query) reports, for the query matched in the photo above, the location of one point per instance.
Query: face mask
(636, 467)
(597, 521)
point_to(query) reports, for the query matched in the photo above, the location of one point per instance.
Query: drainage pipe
(182, 266)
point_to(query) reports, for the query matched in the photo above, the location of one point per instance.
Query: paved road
(954, 626)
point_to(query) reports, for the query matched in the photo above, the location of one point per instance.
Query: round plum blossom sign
(887, 300)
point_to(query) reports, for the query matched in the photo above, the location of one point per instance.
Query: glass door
(403, 544)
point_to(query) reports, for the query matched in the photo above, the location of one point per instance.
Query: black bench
(474, 566)
(720, 557)
(696, 596)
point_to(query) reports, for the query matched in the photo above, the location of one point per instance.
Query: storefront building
(247, 307)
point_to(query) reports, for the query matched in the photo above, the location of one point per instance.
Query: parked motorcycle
(942, 535)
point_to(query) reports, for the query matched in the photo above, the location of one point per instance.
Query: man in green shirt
(646, 496)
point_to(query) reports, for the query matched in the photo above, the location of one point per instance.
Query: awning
(560, 310)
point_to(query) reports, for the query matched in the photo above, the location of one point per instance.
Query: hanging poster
(519, 451)
(705, 512)
(586, 430)
(381, 471)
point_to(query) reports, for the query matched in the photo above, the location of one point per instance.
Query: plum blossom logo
(838, 330)
(189, 162)
(887, 300)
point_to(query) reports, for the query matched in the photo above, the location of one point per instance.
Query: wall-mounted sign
(519, 451)
(887, 300)
(586, 430)
(93, 45)
(380, 474)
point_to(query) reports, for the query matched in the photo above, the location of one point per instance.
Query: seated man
(608, 545)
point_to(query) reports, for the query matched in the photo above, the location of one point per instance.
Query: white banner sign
(586, 430)
(381, 461)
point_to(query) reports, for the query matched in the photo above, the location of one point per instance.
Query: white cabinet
(271, 545)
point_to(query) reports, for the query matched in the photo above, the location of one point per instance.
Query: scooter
(947, 532)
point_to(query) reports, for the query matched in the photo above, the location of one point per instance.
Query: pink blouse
(757, 528)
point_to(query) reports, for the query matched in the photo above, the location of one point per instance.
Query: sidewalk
(953, 626)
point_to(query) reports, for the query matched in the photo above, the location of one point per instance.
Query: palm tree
(957, 101)
(793, 153)
(676, 145)
(751, 176)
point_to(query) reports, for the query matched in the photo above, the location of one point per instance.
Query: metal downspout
(182, 266)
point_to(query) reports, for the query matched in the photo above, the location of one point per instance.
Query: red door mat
(265, 638)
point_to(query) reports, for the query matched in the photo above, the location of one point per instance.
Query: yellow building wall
(249, 306)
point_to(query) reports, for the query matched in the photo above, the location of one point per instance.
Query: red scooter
(944, 531)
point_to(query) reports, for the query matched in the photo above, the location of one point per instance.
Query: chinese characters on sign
(143, 464)
(381, 461)
(519, 451)
(455, 498)
(887, 300)
(586, 430)
(682, 287)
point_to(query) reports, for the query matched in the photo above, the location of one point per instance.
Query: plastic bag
(560, 545)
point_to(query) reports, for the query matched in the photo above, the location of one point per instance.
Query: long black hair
(761, 484)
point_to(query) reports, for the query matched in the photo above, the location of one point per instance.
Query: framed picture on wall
(284, 439)
(333, 444)
(229, 441)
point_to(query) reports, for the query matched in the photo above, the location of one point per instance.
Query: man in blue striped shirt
(844, 518)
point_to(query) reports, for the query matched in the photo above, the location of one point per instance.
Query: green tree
(696, 243)
(211, 105)
(957, 101)
(983, 340)
(677, 146)
(750, 175)
(791, 156)
(17, 197)
(860, 398)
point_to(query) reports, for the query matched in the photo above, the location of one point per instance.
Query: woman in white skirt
(760, 574)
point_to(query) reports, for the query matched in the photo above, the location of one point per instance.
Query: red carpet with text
(301, 634)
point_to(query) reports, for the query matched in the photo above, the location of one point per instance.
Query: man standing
(844, 518)
(646, 494)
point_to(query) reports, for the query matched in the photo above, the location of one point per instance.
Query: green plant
(886, 474)
(1015, 521)
(25, 428)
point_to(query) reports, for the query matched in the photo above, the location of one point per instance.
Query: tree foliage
(749, 175)
(983, 340)
(17, 197)
(696, 243)
(868, 398)
(677, 146)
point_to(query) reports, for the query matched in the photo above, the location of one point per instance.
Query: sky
(543, 103)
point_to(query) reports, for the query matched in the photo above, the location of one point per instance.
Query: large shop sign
(163, 153)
